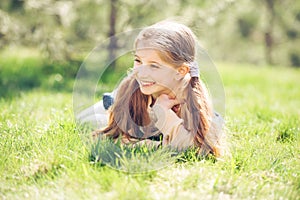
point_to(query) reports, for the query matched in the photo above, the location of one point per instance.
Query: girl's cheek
(136, 68)
(136, 63)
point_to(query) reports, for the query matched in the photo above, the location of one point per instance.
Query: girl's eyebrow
(152, 61)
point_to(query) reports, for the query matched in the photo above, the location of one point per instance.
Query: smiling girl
(163, 100)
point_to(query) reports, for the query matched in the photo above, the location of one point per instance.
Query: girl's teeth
(147, 83)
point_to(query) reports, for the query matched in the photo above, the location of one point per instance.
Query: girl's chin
(146, 92)
(153, 94)
(154, 90)
(149, 91)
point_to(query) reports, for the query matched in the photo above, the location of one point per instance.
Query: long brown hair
(176, 44)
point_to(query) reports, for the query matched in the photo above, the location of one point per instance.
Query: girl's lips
(146, 83)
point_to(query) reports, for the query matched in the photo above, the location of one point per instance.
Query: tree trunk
(112, 31)
(269, 41)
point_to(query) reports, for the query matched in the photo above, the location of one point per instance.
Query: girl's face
(154, 75)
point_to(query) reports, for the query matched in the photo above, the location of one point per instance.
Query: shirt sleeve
(171, 126)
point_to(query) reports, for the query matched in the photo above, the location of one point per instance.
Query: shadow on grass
(139, 159)
(133, 159)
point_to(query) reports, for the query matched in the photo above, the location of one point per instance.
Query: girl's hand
(166, 101)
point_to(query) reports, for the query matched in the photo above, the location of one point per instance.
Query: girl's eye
(154, 66)
(137, 61)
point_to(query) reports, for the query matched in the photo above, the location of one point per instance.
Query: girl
(163, 97)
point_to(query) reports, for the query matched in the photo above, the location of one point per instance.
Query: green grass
(43, 154)
(30, 70)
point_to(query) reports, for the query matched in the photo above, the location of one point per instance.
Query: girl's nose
(141, 71)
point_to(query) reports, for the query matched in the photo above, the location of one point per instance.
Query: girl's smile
(146, 83)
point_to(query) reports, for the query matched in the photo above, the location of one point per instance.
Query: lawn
(43, 155)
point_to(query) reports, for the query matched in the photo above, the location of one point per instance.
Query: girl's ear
(183, 69)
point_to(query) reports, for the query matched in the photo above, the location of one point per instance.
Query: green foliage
(294, 57)
(12, 5)
(292, 33)
(19, 74)
(64, 29)
(117, 69)
(298, 15)
(247, 24)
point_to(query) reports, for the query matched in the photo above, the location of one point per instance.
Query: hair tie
(194, 69)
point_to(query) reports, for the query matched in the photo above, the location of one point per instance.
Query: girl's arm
(174, 133)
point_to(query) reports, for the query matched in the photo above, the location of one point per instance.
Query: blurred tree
(281, 30)
(246, 24)
(269, 40)
(15, 5)
(112, 32)
(230, 29)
